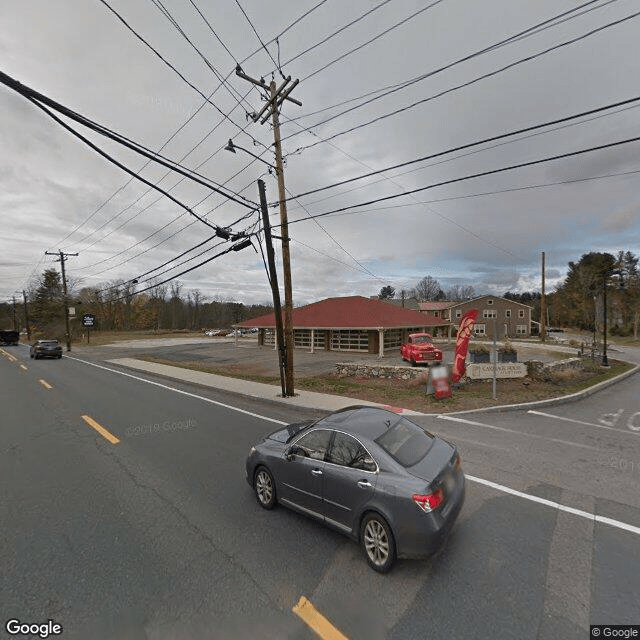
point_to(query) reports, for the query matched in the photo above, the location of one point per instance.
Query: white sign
(484, 370)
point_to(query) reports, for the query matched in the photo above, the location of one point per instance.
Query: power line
(476, 143)
(264, 46)
(335, 33)
(171, 66)
(465, 84)
(475, 175)
(390, 89)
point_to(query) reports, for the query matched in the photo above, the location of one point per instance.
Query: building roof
(435, 306)
(353, 312)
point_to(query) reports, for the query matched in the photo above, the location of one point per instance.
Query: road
(159, 536)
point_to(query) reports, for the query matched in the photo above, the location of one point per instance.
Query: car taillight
(430, 501)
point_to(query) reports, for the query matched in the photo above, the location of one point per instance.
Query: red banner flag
(464, 335)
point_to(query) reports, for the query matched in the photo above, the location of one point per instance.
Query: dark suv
(46, 349)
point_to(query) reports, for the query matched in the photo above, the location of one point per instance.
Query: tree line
(577, 302)
(118, 307)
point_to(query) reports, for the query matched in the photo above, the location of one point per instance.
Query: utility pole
(273, 281)
(15, 321)
(276, 96)
(63, 257)
(543, 306)
(26, 315)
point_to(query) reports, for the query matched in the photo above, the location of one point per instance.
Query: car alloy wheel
(264, 487)
(378, 543)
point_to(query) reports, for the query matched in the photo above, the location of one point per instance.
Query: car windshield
(406, 442)
(422, 340)
(49, 343)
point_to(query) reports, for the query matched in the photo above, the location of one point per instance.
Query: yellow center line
(45, 384)
(314, 619)
(101, 430)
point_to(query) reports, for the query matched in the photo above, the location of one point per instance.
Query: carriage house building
(352, 323)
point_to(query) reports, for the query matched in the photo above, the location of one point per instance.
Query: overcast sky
(57, 193)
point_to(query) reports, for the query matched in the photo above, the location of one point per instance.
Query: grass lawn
(410, 394)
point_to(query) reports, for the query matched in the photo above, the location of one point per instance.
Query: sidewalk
(322, 401)
(305, 399)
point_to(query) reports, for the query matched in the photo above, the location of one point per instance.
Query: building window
(349, 340)
(521, 329)
(489, 301)
(302, 338)
(520, 313)
(507, 313)
(489, 313)
(458, 313)
(479, 330)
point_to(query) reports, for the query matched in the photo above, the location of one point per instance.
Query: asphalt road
(159, 536)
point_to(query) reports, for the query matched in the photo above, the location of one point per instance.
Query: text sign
(88, 320)
(484, 370)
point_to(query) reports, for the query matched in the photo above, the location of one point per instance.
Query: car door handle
(316, 472)
(364, 484)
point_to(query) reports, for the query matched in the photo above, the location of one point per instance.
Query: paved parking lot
(223, 352)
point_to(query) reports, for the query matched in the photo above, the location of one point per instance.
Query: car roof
(365, 421)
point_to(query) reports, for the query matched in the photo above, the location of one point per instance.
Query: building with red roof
(353, 323)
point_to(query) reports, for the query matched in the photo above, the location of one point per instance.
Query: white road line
(586, 424)
(518, 433)
(184, 393)
(498, 487)
(556, 505)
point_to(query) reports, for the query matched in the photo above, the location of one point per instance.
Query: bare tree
(428, 289)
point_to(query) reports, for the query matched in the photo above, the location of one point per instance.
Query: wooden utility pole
(543, 305)
(275, 97)
(63, 257)
(273, 281)
(286, 256)
(26, 315)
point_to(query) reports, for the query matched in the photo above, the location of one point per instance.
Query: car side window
(348, 452)
(313, 445)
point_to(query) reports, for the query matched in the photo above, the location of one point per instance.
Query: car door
(302, 472)
(350, 477)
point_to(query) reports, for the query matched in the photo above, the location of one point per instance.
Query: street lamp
(232, 147)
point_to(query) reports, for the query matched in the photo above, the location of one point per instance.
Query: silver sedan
(372, 474)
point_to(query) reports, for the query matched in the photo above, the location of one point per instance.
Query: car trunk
(435, 463)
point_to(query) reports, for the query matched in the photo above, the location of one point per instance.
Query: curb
(573, 397)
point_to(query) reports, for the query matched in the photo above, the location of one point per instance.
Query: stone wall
(353, 369)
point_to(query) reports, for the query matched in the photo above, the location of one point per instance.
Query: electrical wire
(476, 143)
(463, 85)
(390, 89)
(264, 46)
(368, 42)
(171, 66)
(473, 176)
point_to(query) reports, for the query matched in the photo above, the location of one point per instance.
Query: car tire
(60, 356)
(413, 362)
(378, 543)
(265, 488)
(31, 355)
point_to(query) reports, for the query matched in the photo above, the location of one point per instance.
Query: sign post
(88, 321)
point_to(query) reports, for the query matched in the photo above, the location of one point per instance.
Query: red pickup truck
(419, 349)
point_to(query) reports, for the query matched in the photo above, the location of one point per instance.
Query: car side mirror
(293, 451)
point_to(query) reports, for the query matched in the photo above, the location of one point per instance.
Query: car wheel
(413, 362)
(265, 488)
(60, 356)
(378, 543)
(31, 355)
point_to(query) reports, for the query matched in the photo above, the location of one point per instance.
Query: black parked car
(372, 474)
(46, 349)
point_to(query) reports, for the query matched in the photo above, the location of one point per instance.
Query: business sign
(88, 320)
(484, 370)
